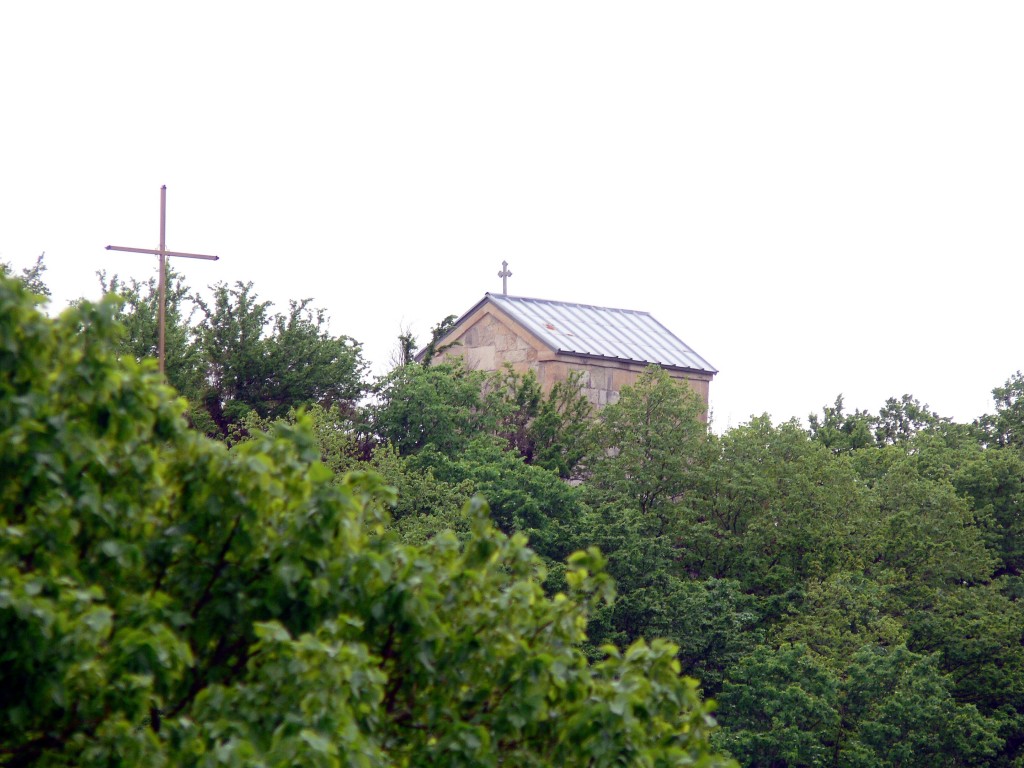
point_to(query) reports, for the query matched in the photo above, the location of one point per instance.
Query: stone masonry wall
(488, 342)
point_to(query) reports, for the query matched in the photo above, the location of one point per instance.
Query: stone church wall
(488, 343)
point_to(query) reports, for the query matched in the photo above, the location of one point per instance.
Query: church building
(610, 347)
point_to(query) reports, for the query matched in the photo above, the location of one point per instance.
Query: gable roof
(585, 330)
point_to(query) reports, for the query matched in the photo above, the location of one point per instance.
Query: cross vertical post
(162, 312)
(504, 275)
(163, 253)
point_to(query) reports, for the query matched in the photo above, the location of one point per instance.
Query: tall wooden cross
(163, 253)
(504, 275)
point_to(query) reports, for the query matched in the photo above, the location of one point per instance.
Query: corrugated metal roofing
(582, 329)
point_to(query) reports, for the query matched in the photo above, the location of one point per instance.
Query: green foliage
(139, 312)
(993, 481)
(552, 431)
(84, 650)
(31, 277)
(978, 636)
(1006, 426)
(513, 401)
(270, 364)
(927, 533)
(560, 434)
(406, 351)
(339, 434)
(235, 352)
(841, 432)
(651, 451)
(307, 365)
(850, 593)
(882, 707)
(776, 508)
(899, 710)
(842, 613)
(426, 505)
(649, 446)
(166, 601)
(437, 333)
(897, 423)
(900, 420)
(871, 544)
(446, 406)
(782, 708)
(439, 405)
(711, 621)
(242, 361)
(522, 498)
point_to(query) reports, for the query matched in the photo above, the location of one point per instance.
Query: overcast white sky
(818, 197)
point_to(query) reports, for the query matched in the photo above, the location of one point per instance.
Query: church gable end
(487, 340)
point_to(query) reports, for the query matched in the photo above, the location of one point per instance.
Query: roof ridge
(500, 296)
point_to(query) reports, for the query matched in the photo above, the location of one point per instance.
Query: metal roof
(582, 329)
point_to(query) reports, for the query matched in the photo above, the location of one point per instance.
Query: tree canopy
(232, 355)
(457, 567)
(166, 599)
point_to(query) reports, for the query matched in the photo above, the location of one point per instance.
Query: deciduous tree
(1006, 426)
(31, 277)
(167, 601)
(269, 363)
(184, 364)
(649, 446)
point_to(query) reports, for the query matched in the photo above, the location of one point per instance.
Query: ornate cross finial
(504, 275)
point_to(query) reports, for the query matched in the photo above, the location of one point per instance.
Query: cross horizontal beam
(163, 253)
(157, 252)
